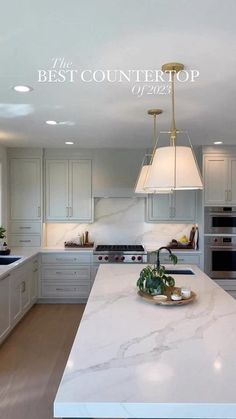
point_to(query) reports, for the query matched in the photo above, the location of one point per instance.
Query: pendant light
(173, 167)
(139, 188)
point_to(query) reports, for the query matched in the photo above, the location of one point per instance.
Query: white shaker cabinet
(215, 180)
(232, 180)
(34, 279)
(25, 189)
(69, 190)
(16, 287)
(219, 180)
(4, 307)
(66, 275)
(80, 190)
(57, 189)
(24, 289)
(178, 206)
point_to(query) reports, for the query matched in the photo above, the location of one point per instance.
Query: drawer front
(24, 227)
(24, 240)
(188, 259)
(63, 258)
(83, 272)
(182, 259)
(72, 290)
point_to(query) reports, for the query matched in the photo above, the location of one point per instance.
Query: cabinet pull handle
(39, 212)
(71, 211)
(173, 212)
(25, 241)
(67, 211)
(226, 195)
(59, 273)
(229, 195)
(25, 228)
(23, 286)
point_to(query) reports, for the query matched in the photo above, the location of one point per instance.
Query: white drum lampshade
(141, 179)
(173, 168)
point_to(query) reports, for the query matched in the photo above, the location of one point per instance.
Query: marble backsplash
(117, 221)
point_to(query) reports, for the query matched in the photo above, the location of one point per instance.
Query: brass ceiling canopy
(154, 112)
(172, 67)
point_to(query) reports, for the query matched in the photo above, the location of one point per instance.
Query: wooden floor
(32, 360)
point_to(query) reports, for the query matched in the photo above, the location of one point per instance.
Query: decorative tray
(166, 301)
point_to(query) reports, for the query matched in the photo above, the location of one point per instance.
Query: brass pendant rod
(173, 124)
(154, 136)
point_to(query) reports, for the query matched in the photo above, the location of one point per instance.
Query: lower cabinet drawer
(24, 227)
(24, 240)
(82, 272)
(188, 259)
(182, 259)
(72, 290)
(66, 258)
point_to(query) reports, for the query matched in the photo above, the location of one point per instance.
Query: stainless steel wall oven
(220, 257)
(220, 220)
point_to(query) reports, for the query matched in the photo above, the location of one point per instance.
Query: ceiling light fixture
(22, 88)
(173, 167)
(69, 142)
(51, 122)
(139, 188)
(218, 142)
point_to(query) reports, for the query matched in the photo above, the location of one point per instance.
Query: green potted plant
(153, 279)
(2, 232)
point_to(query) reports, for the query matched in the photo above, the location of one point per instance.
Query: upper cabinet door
(179, 206)
(80, 190)
(216, 180)
(232, 181)
(159, 207)
(57, 190)
(184, 206)
(25, 189)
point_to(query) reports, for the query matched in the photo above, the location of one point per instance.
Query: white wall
(118, 221)
(4, 187)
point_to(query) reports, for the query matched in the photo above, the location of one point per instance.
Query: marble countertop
(25, 254)
(133, 359)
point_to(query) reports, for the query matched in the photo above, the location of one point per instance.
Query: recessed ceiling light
(51, 122)
(69, 142)
(218, 142)
(22, 88)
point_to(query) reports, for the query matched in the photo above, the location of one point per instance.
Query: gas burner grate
(120, 248)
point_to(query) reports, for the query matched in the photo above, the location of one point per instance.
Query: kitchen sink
(180, 272)
(7, 260)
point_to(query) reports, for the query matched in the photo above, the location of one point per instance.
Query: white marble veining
(118, 221)
(132, 359)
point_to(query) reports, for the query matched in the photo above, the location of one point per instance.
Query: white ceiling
(115, 34)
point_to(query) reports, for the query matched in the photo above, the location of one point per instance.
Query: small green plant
(2, 232)
(153, 278)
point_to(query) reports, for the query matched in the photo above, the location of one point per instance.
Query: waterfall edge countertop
(133, 359)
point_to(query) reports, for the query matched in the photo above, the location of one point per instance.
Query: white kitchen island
(132, 359)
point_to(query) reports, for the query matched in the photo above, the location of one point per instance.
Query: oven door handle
(222, 247)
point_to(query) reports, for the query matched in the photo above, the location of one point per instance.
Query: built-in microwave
(220, 257)
(220, 220)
